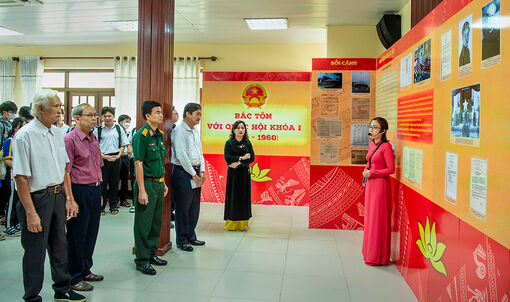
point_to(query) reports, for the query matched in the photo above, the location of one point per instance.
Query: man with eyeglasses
(84, 169)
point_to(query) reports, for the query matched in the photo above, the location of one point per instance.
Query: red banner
(257, 76)
(343, 64)
(285, 180)
(415, 117)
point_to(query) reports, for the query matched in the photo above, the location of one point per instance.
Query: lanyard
(370, 160)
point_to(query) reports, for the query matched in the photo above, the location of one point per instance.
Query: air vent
(15, 3)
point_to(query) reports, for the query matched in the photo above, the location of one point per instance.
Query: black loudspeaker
(388, 30)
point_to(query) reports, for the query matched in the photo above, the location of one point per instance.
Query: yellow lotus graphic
(259, 175)
(430, 248)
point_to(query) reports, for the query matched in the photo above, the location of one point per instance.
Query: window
(92, 86)
(91, 80)
(53, 79)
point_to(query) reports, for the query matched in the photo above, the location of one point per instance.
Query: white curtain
(125, 86)
(7, 79)
(186, 82)
(31, 71)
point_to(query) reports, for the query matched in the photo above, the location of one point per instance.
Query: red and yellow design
(254, 95)
(279, 131)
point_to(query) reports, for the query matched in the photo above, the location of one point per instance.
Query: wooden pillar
(155, 81)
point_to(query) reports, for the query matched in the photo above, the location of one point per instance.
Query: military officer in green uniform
(149, 189)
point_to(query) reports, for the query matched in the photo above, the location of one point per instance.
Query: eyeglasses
(91, 115)
(373, 127)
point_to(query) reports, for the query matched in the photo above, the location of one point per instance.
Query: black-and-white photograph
(465, 118)
(361, 82)
(329, 80)
(491, 30)
(465, 41)
(422, 57)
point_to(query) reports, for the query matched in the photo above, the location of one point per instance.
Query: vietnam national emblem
(254, 95)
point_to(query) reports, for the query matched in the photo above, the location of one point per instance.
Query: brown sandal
(82, 286)
(114, 211)
(126, 204)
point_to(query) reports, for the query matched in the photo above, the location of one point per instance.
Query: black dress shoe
(157, 261)
(146, 269)
(186, 247)
(197, 242)
(69, 296)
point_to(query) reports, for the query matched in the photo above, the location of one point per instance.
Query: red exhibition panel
(289, 184)
(415, 117)
(458, 262)
(336, 197)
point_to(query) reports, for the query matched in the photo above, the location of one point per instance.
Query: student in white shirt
(112, 141)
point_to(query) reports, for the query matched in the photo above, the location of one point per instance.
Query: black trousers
(110, 185)
(125, 168)
(187, 205)
(52, 212)
(82, 231)
(5, 192)
(12, 214)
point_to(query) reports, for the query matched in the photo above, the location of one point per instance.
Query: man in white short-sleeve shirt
(39, 163)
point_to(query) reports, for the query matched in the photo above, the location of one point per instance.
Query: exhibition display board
(444, 90)
(276, 108)
(343, 98)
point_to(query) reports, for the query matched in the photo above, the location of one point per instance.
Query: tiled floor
(278, 259)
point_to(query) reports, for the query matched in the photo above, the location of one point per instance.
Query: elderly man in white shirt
(44, 190)
(188, 175)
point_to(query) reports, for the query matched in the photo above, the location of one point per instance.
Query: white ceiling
(65, 22)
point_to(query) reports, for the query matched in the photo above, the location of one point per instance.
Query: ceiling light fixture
(9, 32)
(267, 23)
(125, 25)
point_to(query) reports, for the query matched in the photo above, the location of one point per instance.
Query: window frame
(68, 92)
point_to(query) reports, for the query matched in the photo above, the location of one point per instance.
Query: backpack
(5, 132)
(100, 129)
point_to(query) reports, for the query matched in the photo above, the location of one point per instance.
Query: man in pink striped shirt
(84, 167)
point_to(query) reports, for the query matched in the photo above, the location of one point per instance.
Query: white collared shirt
(109, 142)
(187, 148)
(129, 139)
(64, 128)
(40, 155)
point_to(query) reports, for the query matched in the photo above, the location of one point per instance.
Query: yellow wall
(353, 42)
(405, 13)
(246, 57)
